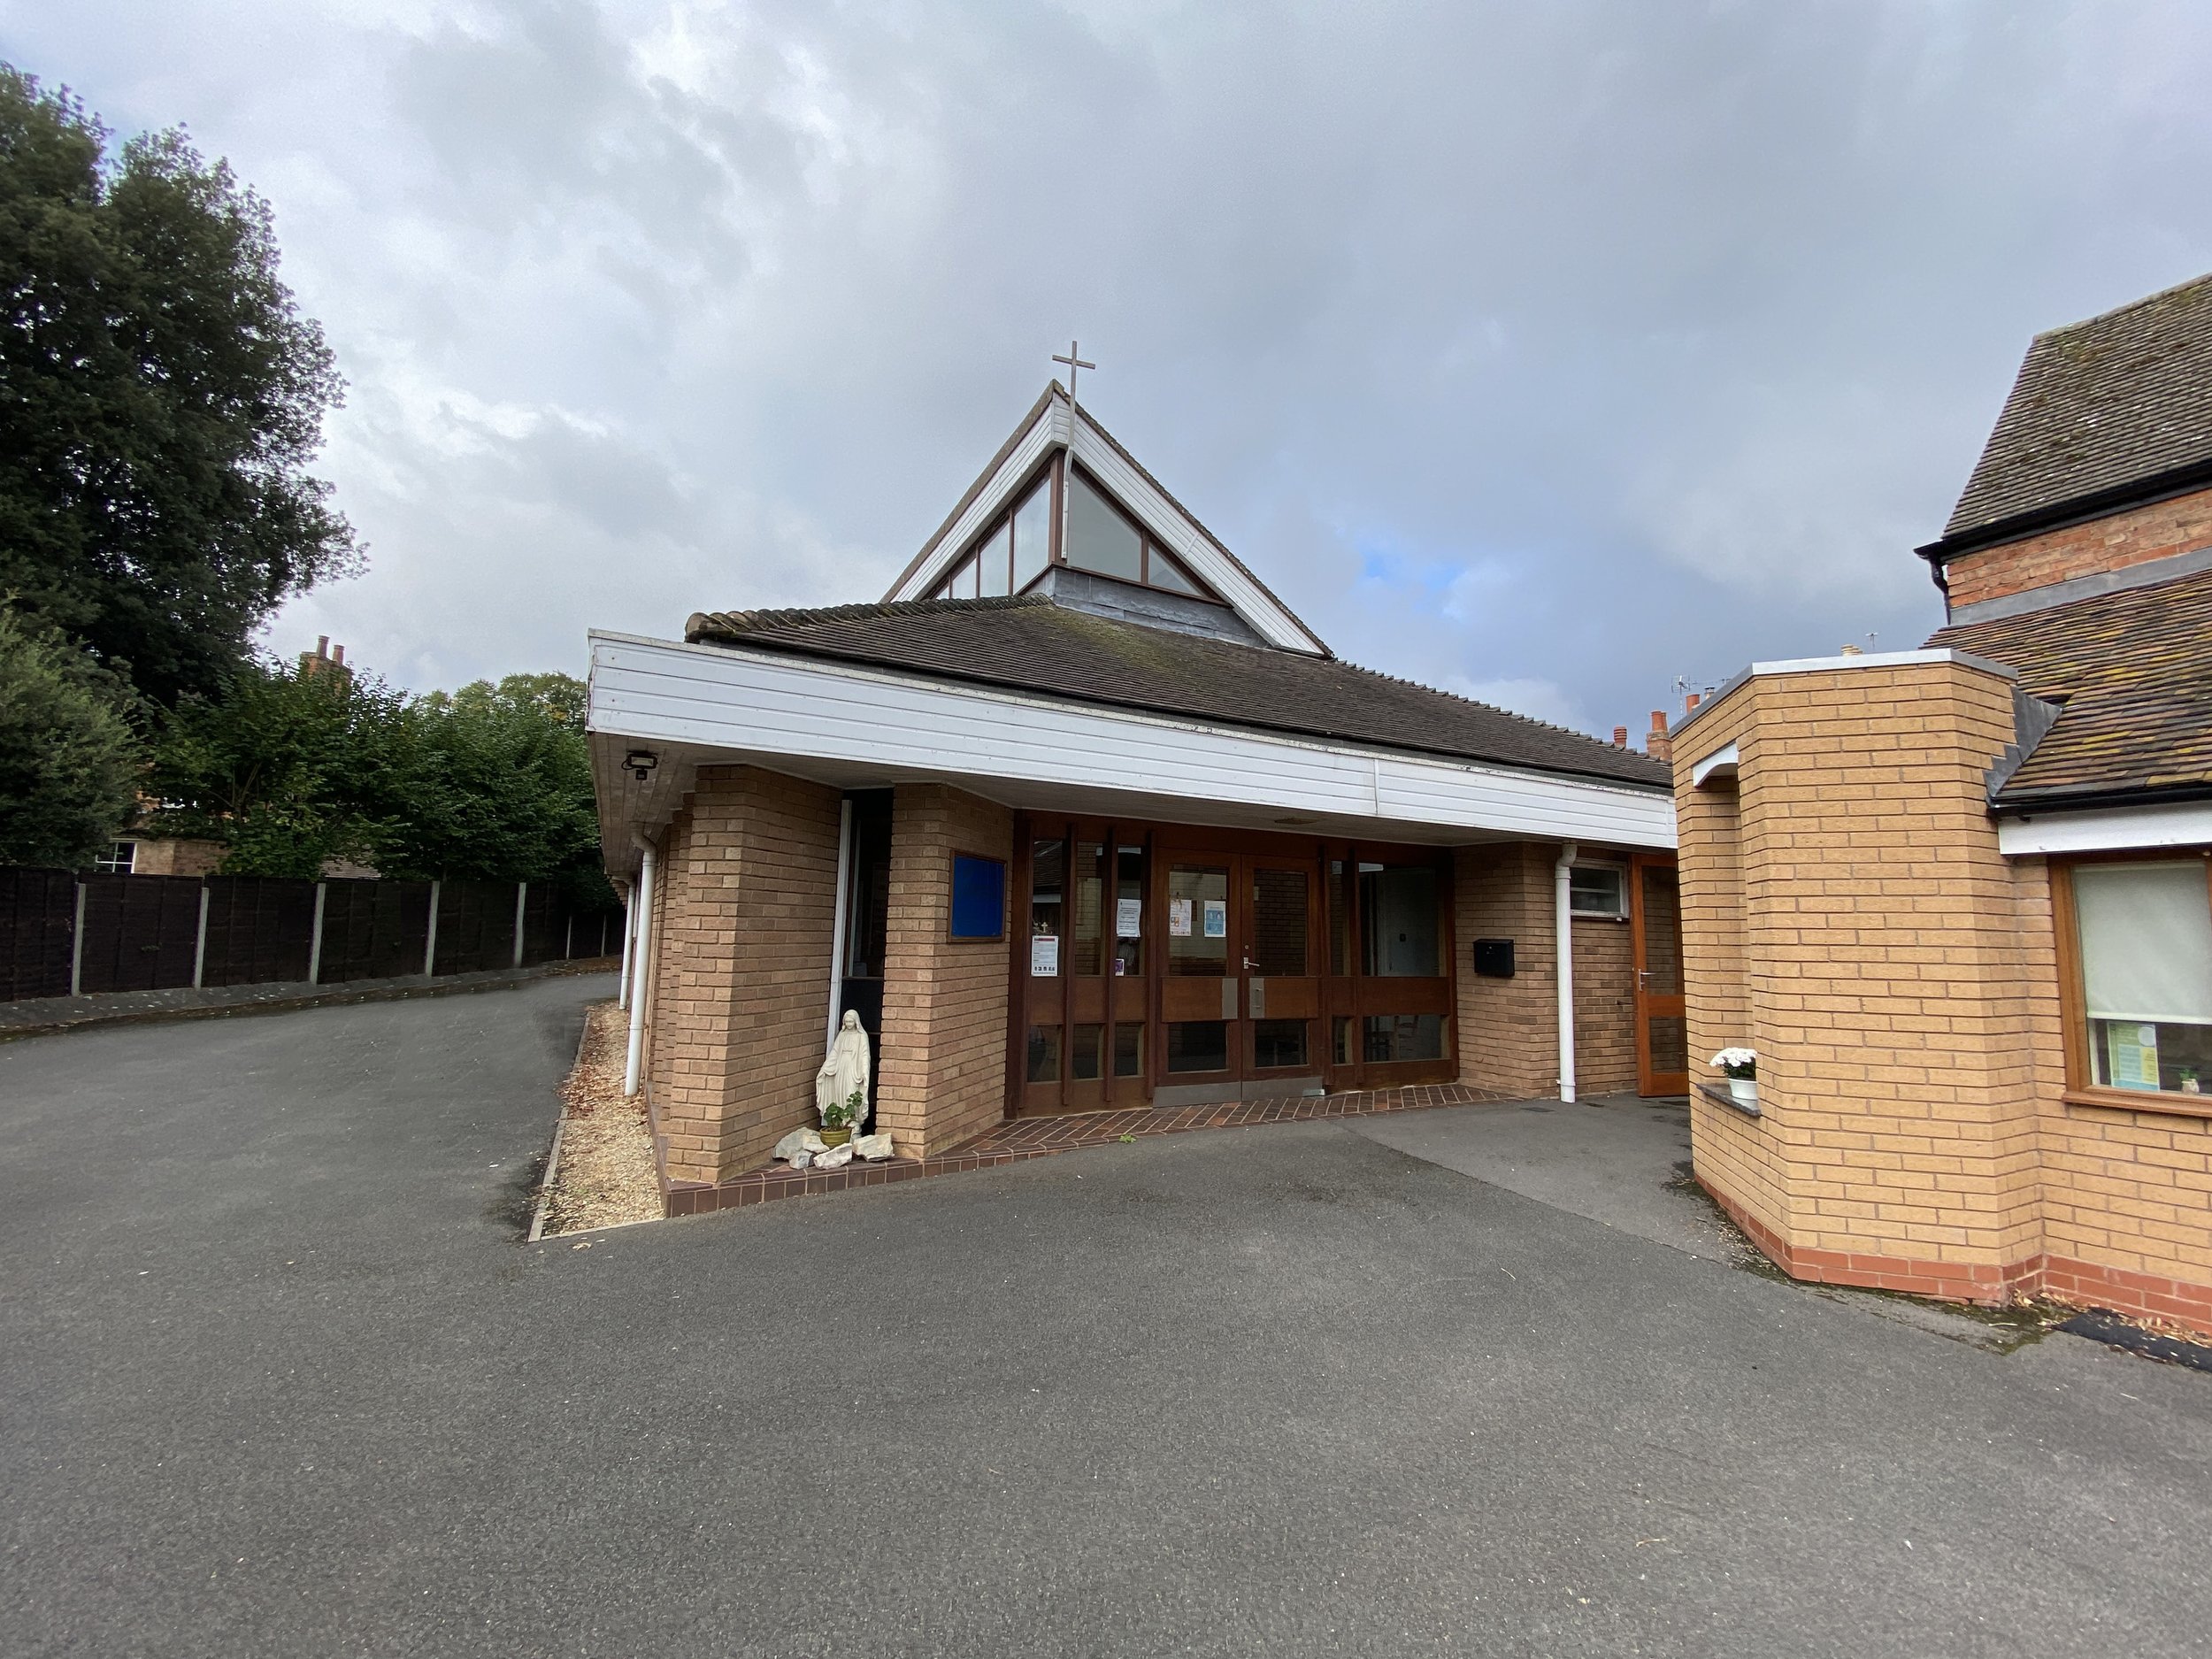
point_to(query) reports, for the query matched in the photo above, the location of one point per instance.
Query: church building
(1078, 818)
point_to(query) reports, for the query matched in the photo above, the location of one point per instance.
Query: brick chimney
(325, 659)
(1657, 745)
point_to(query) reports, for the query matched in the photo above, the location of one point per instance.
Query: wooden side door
(1280, 958)
(1654, 918)
(1200, 1054)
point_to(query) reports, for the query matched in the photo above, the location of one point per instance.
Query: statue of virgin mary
(845, 1072)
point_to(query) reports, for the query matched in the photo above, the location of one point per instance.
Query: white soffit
(1720, 763)
(1139, 496)
(2186, 824)
(817, 718)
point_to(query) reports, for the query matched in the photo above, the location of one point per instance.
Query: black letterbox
(1493, 958)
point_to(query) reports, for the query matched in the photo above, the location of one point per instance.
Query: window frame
(2081, 1086)
(1150, 545)
(1619, 873)
(108, 864)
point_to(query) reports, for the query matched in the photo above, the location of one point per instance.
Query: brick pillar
(943, 1066)
(748, 876)
(1848, 916)
(1508, 1029)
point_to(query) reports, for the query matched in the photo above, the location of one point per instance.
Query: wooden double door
(1169, 966)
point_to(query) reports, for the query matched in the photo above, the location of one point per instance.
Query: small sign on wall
(1044, 955)
(978, 897)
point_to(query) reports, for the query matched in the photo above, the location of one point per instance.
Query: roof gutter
(2101, 800)
(2178, 480)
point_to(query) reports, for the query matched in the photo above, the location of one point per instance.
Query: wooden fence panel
(259, 929)
(38, 920)
(140, 933)
(476, 927)
(373, 930)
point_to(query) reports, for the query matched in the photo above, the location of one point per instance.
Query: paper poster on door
(1044, 955)
(1178, 917)
(1128, 918)
(1217, 918)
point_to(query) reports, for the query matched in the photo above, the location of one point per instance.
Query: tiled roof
(2099, 405)
(2134, 670)
(1029, 643)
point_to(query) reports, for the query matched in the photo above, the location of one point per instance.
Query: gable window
(1597, 890)
(1099, 538)
(2142, 979)
(1011, 555)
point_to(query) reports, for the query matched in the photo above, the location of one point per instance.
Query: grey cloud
(1556, 350)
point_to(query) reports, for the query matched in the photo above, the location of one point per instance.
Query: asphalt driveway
(275, 1377)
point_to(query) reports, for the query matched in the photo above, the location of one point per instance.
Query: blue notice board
(978, 897)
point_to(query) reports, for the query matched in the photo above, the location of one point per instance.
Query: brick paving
(1021, 1139)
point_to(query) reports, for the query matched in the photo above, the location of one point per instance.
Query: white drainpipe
(1564, 903)
(629, 942)
(642, 950)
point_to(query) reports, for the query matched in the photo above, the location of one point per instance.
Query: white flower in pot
(1741, 1067)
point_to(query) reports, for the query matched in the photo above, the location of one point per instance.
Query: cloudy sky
(1551, 353)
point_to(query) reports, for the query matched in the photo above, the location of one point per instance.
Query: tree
(160, 400)
(69, 759)
(286, 768)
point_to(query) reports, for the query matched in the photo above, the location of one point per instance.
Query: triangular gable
(1050, 426)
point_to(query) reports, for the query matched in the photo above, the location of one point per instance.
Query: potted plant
(1741, 1067)
(839, 1116)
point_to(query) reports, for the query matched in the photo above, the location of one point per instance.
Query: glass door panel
(1198, 999)
(1282, 993)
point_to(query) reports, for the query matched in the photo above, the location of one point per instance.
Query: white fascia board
(765, 707)
(2188, 823)
(1046, 434)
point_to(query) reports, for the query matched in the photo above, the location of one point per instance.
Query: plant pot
(837, 1137)
(1744, 1090)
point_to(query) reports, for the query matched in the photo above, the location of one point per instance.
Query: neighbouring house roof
(1030, 644)
(2120, 403)
(2133, 669)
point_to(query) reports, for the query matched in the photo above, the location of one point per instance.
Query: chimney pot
(1620, 737)
(338, 655)
(322, 645)
(1659, 721)
(1692, 701)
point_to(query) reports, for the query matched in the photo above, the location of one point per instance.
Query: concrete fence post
(522, 890)
(76, 946)
(315, 940)
(430, 934)
(199, 943)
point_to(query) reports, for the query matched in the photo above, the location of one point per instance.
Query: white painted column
(837, 921)
(629, 943)
(643, 951)
(1563, 880)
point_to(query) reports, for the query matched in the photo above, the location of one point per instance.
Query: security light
(642, 761)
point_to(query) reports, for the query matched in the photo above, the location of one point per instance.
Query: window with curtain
(2146, 941)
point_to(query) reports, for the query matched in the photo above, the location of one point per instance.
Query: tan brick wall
(943, 1077)
(1508, 1029)
(740, 984)
(1847, 913)
(2159, 531)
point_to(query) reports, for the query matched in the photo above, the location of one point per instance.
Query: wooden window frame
(1147, 544)
(2081, 1087)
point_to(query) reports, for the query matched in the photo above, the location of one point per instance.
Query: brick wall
(1508, 1029)
(740, 983)
(1847, 913)
(2135, 537)
(943, 1076)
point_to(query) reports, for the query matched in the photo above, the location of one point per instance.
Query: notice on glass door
(1128, 918)
(1178, 918)
(1217, 918)
(1044, 955)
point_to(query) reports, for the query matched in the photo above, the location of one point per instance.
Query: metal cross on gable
(1074, 361)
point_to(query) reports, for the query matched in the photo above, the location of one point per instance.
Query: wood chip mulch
(606, 1175)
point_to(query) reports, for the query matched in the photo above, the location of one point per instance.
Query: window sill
(2128, 1099)
(1720, 1095)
